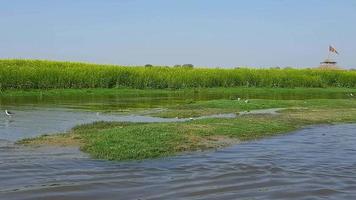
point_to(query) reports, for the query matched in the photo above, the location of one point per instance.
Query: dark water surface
(313, 163)
(124, 101)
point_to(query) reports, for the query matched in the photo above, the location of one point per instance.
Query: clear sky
(224, 33)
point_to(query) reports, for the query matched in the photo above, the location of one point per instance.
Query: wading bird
(8, 113)
(247, 101)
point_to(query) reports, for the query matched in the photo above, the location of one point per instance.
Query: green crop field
(35, 74)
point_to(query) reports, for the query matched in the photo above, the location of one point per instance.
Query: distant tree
(188, 65)
(177, 66)
(148, 65)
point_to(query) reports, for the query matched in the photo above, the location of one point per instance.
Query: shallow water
(312, 163)
(124, 101)
(30, 122)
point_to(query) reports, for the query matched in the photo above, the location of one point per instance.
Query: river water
(314, 163)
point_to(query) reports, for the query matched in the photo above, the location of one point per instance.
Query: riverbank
(231, 92)
(135, 141)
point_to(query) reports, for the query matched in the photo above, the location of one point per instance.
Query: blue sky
(223, 33)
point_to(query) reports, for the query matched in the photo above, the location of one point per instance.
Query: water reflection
(125, 101)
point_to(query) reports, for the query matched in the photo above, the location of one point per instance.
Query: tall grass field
(36, 74)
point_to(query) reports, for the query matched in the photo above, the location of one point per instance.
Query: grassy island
(132, 141)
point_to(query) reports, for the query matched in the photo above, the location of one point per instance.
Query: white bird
(8, 113)
(191, 118)
(351, 94)
(246, 101)
(239, 99)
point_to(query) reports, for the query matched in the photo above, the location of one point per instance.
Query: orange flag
(332, 49)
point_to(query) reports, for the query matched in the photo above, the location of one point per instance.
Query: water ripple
(313, 163)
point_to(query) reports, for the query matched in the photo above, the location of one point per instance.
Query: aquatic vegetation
(134, 141)
(35, 74)
(211, 107)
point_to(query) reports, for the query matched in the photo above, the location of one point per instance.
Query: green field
(34, 74)
(308, 96)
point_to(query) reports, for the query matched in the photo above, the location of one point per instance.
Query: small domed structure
(330, 63)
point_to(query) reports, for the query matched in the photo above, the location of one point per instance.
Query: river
(312, 163)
